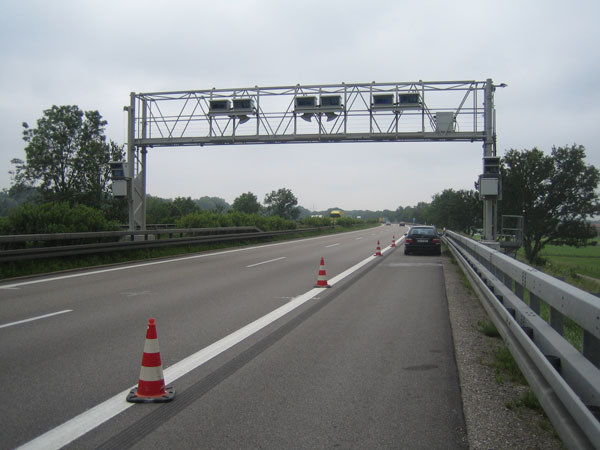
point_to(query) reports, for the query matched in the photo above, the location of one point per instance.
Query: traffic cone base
(322, 278)
(167, 395)
(151, 385)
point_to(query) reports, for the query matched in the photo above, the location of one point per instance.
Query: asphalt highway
(258, 357)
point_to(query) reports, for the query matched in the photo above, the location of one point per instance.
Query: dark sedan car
(422, 239)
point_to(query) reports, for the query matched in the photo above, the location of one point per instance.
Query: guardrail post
(591, 348)
(519, 291)
(508, 282)
(497, 272)
(556, 320)
(534, 303)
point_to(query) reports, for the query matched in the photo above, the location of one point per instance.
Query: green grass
(572, 332)
(526, 400)
(505, 366)
(488, 329)
(569, 263)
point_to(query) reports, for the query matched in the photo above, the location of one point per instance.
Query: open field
(573, 264)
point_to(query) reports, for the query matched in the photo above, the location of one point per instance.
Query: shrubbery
(208, 219)
(62, 218)
(54, 218)
(347, 221)
(326, 222)
(313, 222)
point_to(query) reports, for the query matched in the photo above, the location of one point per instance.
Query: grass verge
(506, 369)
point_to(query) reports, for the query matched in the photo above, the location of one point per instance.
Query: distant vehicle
(422, 239)
(388, 223)
(402, 224)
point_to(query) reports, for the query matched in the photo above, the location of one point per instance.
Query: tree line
(65, 177)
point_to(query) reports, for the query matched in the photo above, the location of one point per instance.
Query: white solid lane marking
(266, 262)
(92, 418)
(35, 318)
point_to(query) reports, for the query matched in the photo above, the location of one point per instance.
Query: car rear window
(422, 231)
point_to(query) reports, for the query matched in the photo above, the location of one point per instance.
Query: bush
(347, 222)
(55, 218)
(205, 219)
(208, 219)
(313, 222)
(276, 223)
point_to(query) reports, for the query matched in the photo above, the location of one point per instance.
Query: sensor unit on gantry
(331, 103)
(243, 105)
(409, 100)
(306, 103)
(219, 106)
(383, 101)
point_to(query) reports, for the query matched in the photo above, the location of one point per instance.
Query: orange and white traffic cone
(322, 278)
(378, 252)
(151, 385)
(393, 241)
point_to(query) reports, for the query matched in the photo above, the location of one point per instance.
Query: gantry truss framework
(399, 111)
(368, 112)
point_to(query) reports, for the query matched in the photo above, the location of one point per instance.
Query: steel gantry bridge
(368, 112)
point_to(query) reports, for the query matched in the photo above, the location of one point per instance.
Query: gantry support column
(136, 165)
(489, 183)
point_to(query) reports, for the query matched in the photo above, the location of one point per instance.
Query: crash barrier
(565, 380)
(71, 244)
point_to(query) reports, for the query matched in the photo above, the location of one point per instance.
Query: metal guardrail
(149, 239)
(565, 380)
(120, 234)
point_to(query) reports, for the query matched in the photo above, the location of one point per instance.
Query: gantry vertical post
(489, 202)
(136, 169)
(141, 210)
(131, 160)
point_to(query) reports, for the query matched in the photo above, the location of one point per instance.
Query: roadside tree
(67, 157)
(214, 204)
(457, 210)
(185, 205)
(247, 203)
(555, 194)
(282, 203)
(415, 214)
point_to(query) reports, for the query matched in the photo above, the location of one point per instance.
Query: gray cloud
(94, 54)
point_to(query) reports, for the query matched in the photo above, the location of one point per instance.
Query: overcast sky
(93, 54)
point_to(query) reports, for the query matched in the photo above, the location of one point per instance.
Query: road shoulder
(490, 423)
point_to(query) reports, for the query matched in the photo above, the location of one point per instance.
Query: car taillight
(436, 241)
(409, 241)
